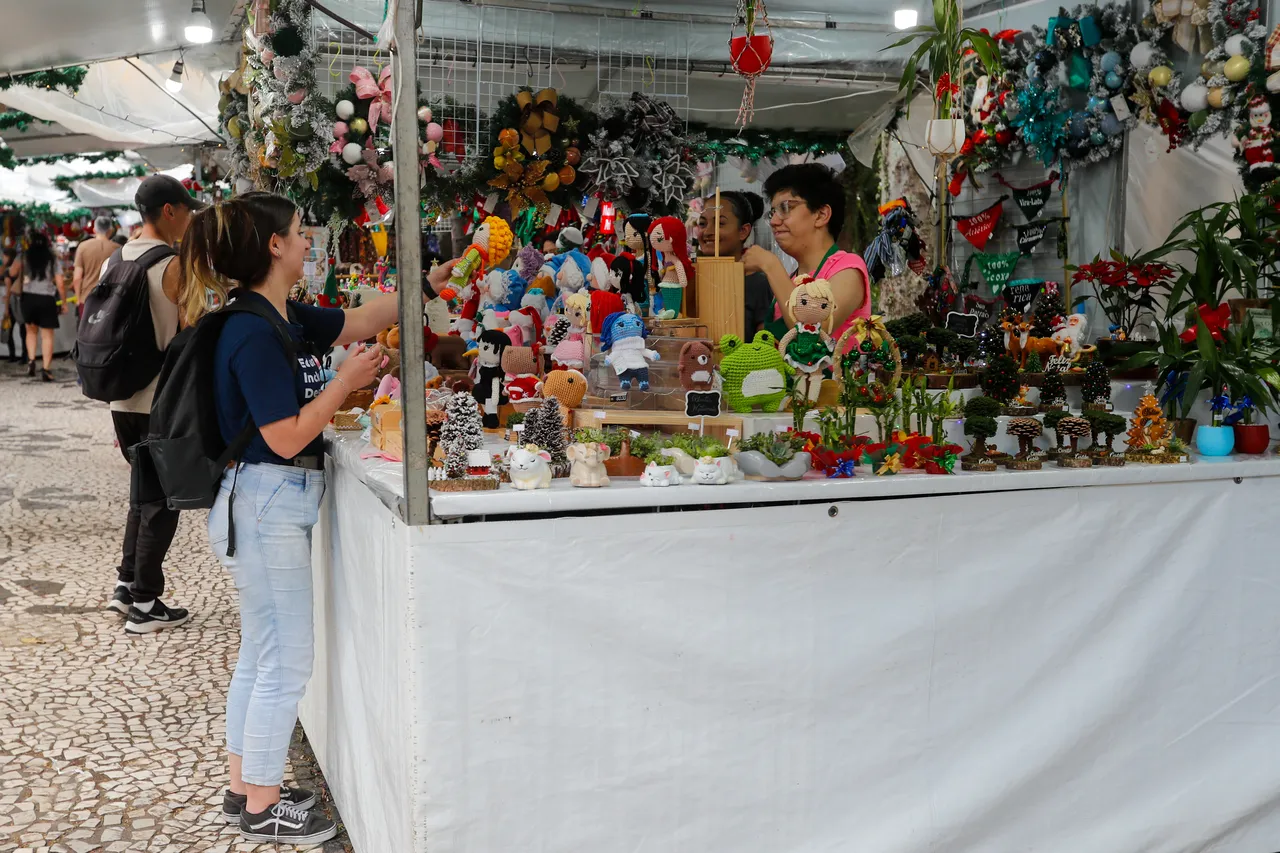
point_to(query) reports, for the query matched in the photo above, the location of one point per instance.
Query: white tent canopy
(34, 184)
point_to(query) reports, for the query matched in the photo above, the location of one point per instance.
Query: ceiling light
(199, 28)
(905, 19)
(174, 83)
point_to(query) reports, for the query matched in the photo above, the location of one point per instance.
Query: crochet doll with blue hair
(622, 337)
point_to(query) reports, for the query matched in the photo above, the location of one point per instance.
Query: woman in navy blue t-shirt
(255, 242)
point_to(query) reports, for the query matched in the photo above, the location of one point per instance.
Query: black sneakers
(284, 824)
(121, 601)
(233, 804)
(159, 618)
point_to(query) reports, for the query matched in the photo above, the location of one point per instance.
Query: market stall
(627, 574)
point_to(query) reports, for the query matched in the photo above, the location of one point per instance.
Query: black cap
(158, 190)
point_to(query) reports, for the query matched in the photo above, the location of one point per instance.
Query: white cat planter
(708, 473)
(660, 475)
(529, 468)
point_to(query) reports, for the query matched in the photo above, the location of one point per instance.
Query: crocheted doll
(808, 347)
(632, 263)
(572, 276)
(605, 299)
(754, 374)
(535, 298)
(667, 235)
(570, 352)
(488, 391)
(622, 336)
(526, 327)
(520, 365)
(489, 247)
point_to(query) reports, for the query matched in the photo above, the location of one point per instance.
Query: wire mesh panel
(515, 52)
(642, 55)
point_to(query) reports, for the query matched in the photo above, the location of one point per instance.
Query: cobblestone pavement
(107, 743)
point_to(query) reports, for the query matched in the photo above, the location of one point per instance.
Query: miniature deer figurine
(1015, 336)
(1046, 347)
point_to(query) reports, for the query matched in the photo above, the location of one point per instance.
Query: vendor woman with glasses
(806, 212)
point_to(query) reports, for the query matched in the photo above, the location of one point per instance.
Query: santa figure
(1257, 145)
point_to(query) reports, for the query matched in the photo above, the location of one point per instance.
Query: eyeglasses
(784, 210)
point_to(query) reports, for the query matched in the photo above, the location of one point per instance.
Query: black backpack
(115, 350)
(184, 457)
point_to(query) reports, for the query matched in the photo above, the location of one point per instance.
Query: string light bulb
(174, 83)
(199, 28)
(905, 19)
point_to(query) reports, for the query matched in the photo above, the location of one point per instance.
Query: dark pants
(150, 527)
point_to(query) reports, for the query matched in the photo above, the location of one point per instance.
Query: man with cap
(90, 255)
(166, 209)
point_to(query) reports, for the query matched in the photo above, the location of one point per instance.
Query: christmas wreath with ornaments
(1063, 96)
(1229, 36)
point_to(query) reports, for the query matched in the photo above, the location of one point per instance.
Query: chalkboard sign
(701, 404)
(964, 325)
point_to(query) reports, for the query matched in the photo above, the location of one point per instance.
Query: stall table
(1061, 660)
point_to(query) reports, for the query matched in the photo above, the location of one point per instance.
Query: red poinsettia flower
(912, 447)
(968, 147)
(945, 87)
(1215, 319)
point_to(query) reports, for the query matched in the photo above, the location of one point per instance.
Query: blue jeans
(275, 508)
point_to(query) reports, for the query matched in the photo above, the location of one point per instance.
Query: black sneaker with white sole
(233, 804)
(287, 825)
(121, 600)
(157, 619)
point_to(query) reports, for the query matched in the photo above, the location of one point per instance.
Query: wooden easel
(720, 302)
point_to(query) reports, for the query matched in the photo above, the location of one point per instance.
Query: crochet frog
(755, 374)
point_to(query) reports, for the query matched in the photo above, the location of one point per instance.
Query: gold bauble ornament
(1236, 69)
(1217, 97)
(499, 161)
(567, 175)
(509, 137)
(551, 182)
(358, 126)
(1210, 69)
(1160, 75)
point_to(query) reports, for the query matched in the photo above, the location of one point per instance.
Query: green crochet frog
(755, 374)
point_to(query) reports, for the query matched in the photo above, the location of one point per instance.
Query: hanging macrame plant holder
(751, 53)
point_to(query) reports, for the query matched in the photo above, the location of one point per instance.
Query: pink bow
(340, 131)
(380, 92)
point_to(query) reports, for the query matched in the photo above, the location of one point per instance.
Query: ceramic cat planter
(660, 475)
(756, 466)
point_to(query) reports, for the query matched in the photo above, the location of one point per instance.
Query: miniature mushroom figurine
(1075, 429)
(1026, 430)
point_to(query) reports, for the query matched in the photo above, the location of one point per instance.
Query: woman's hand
(439, 277)
(759, 259)
(360, 367)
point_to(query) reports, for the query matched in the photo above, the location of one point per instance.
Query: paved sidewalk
(107, 743)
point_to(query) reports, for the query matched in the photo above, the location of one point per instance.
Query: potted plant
(943, 45)
(980, 422)
(1216, 439)
(1126, 289)
(1250, 437)
(626, 454)
(776, 456)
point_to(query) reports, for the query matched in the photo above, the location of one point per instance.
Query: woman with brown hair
(252, 247)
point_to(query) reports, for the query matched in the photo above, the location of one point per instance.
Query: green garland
(757, 145)
(42, 212)
(9, 160)
(68, 78)
(17, 119)
(64, 182)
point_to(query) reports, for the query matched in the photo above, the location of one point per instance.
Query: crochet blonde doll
(808, 347)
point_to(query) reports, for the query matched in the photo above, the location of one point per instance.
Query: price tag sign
(599, 415)
(491, 203)
(589, 212)
(553, 215)
(1121, 108)
(634, 434)
(732, 433)
(693, 426)
(519, 427)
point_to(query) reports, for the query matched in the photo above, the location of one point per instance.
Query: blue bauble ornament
(1113, 80)
(1078, 127)
(1110, 61)
(1111, 125)
(1097, 138)
(1096, 104)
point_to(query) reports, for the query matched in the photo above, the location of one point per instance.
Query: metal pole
(404, 133)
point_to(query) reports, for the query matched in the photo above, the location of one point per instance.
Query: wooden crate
(642, 421)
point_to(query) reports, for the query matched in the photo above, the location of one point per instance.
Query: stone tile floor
(107, 743)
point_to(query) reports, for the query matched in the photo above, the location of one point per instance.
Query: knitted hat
(580, 261)
(570, 238)
(621, 325)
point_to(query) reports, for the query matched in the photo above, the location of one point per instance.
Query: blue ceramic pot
(1215, 440)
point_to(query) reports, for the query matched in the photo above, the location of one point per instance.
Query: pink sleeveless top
(839, 262)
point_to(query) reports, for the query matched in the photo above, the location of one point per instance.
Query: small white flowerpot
(945, 137)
